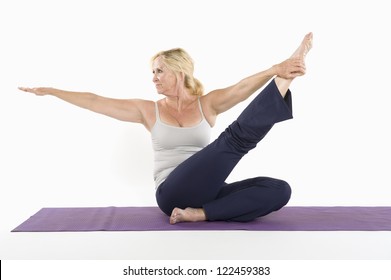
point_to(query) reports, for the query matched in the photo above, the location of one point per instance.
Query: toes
(173, 219)
(175, 215)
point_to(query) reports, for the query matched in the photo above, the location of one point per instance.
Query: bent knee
(284, 192)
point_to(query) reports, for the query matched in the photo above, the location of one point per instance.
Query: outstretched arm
(220, 100)
(131, 110)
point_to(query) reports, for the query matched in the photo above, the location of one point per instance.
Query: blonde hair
(179, 61)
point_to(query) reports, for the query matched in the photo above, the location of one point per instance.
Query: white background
(335, 151)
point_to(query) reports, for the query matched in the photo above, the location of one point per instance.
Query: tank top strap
(200, 106)
(157, 112)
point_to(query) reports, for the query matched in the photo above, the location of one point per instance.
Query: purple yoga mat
(152, 219)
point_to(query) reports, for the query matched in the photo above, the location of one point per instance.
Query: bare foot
(187, 215)
(304, 47)
(283, 82)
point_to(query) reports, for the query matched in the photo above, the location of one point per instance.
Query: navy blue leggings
(199, 182)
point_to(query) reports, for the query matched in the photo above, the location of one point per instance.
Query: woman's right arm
(130, 110)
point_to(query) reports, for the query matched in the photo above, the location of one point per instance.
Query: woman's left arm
(221, 100)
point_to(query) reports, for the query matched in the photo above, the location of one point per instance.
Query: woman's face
(164, 79)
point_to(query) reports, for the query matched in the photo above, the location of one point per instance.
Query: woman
(189, 172)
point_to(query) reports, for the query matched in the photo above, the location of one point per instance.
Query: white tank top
(172, 145)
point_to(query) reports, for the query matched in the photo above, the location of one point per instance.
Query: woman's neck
(181, 101)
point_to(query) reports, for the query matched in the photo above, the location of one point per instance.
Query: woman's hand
(37, 91)
(290, 68)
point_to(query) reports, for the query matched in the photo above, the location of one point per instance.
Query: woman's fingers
(37, 91)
